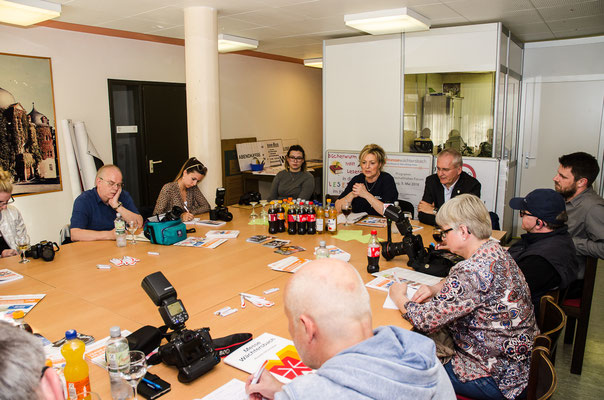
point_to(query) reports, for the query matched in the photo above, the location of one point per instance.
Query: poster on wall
(269, 152)
(28, 135)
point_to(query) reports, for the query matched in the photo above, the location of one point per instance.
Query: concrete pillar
(203, 96)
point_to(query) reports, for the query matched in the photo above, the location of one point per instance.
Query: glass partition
(449, 110)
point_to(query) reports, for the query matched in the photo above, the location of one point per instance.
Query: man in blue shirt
(95, 210)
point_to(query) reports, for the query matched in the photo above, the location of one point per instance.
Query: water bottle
(117, 358)
(373, 253)
(76, 369)
(120, 230)
(322, 251)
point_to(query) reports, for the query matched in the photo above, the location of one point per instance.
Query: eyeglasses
(9, 201)
(524, 212)
(443, 233)
(113, 184)
(296, 158)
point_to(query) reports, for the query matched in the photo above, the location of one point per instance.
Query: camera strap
(227, 344)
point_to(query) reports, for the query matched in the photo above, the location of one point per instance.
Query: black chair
(578, 311)
(406, 206)
(542, 375)
(551, 322)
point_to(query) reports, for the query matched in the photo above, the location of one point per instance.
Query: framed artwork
(28, 133)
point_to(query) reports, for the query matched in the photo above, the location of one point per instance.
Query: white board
(409, 171)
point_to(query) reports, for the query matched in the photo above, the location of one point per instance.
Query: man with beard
(585, 208)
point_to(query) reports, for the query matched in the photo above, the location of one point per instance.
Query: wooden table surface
(80, 296)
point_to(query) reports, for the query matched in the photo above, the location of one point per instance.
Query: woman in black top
(369, 190)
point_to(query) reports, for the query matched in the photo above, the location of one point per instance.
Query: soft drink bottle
(292, 226)
(303, 218)
(120, 230)
(320, 223)
(280, 217)
(373, 253)
(311, 223)
(76, 369)
(272, 219)
(117, 357)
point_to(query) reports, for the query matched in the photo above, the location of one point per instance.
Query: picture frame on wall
(28, 131)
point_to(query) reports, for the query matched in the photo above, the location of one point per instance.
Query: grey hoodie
(393, 364)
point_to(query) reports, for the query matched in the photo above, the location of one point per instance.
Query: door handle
(528, 157)
(152, 163)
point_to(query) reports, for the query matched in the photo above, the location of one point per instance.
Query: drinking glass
(264, 214)
(346, 210)
(23, 246)
(136, 369)
(437, 235)
(253, 215)
(132, 227)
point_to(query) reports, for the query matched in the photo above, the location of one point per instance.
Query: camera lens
(391, 250)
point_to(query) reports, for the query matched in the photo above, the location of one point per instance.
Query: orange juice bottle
(76, 369)
(332, 219)
(320, 219)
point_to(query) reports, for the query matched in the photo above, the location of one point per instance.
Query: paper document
(352, 218)
(289, 264)
(24, 302)
(6, 275)
(232, 390)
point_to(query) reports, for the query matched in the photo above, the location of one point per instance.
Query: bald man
(95, 210)
(329, 316)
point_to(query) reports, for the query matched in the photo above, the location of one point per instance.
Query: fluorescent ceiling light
(27, 12)
(388, 21)
(228, 43)
(313, 62)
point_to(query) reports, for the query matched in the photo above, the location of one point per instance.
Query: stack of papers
(205, 222)
(207, 243)
(6, 275)
(289, 264)
(352, 218)
(222, 234)
(24, 302)
(413, 279)
(377, 222)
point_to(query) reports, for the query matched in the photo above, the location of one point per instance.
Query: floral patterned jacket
(485, 303)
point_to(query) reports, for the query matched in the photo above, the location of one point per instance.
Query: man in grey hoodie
(329, 316)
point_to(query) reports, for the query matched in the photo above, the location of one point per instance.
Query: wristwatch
(119, 204)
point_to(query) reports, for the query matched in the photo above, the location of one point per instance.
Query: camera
(171, 215)
(45, 250)
(220, 212)
(191, 351)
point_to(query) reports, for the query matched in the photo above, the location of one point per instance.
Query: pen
(258, 373)
(151, 384)
(185, 204)
(396, 277)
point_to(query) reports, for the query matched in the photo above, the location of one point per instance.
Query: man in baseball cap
(545, 254)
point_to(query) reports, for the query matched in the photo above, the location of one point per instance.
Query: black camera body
(191, 351)
(220, 212)
(45, 250)
(172, 215)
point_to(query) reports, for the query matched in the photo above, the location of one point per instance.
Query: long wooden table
(80, 296)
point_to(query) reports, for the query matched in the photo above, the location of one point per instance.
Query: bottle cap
(115, 331)
(18, 314)
(374, 232)
(71, 334)
(322, 243)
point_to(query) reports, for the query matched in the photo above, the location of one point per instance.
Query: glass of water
(132, 227)
(23, 246)
(136, 369)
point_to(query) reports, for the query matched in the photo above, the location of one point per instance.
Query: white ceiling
(296, 28)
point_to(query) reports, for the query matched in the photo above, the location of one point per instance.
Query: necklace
(372, 185)
(292, 175)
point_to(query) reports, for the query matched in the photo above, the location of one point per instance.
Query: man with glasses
(545, 253)
(94, 210)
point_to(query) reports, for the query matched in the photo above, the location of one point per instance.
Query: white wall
(82, 63)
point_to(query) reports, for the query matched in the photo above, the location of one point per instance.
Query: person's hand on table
(266, 387)
(186, 217)
(398, 294)
(424, 293)
(441, 246)
(425, 207)
(360, 190)
(9, 252)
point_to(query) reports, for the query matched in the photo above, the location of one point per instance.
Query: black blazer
(435, 193)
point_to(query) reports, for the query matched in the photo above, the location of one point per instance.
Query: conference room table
(80, 296)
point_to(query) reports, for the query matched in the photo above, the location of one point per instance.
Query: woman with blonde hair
(484, 304)
(11, 221)
(369, 190)
(184, 192)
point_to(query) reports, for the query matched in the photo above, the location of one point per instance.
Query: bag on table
(166, 232)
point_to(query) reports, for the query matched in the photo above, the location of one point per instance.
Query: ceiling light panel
(388, 21)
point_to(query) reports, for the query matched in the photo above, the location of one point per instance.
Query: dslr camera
(45, 250)
(172, 215)
(220, 212)
(191, 351)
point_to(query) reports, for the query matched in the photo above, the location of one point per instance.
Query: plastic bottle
(311, 223)
(120, 230)
(292, 226)
(76, 369)
(322, 251)
(320, 219)
(302, 219)
(19, 318)
(280, 217)
(272, 219)
(332, 219)
(373, 253)
(117, 358)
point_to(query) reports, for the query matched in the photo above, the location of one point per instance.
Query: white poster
(486, 170)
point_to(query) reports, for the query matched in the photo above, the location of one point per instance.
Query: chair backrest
(406, 206)
(542, 375)
(551, 319)
(65, 234)
(543, 341)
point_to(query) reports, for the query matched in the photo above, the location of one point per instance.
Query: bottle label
(291, 218)
(312, 218)
(280, 216)
(80, 387)
(320, 225)
(303, 218)
(373, 251)
(332, 224)
(272, 217)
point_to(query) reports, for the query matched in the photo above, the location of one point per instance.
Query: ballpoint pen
(151, 384)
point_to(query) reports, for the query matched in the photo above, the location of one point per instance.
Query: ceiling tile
(575, 23)
(534, 37)
(521, 17)
(438, 12)
(556, 3)
(174, 32)
(132, 25)
(169, 16)
(583, 31)
(226, 24)
(573, 11)
(77, 15)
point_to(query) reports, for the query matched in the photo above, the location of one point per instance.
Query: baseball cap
(545, 204)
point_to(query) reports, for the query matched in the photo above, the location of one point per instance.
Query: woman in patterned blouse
(183, 192)
(484, 303)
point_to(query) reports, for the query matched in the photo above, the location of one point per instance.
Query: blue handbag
(166, 233)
